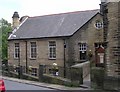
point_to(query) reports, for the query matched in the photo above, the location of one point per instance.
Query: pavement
(85, 86)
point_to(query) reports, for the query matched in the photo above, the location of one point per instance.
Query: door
(99, 56)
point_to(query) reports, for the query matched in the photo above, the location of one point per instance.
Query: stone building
(63, 39)
(111, 17)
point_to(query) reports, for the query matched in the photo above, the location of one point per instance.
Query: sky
(43, 7)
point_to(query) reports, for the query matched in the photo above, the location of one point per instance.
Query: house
(111, 12)
(62, 40)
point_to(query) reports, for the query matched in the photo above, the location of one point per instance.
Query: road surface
(11, 85)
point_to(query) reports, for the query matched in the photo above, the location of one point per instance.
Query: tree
(5, 28)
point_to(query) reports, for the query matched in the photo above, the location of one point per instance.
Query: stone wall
(42, 52)
(112, 52)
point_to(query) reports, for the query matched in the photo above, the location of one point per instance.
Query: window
(16, 69)
(99, 24)
(33, 50)
(97, 45)
(83, 49)
(24, 69)
(52, 50)
(34, 71)
(16, 52)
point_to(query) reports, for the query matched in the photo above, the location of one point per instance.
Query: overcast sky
(44, 7)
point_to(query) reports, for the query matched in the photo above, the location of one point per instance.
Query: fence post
(40, 72)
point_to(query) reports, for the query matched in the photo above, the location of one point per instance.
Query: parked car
(2, 86)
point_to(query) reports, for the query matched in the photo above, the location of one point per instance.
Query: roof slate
(56, 25)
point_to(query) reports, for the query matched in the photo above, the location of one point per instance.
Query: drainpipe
(19, 65)
(26, 57)
(105, 28)
(64, 58)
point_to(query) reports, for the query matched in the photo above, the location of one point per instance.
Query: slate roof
(56, 25)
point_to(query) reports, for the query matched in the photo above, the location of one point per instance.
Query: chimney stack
(15, 18)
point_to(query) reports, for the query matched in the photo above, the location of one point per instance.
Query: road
(11, 85)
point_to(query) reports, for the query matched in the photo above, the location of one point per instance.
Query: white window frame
(34, 51)
(17, 50)
(83, 49)
(99, 25)
(34, 71)
(53, 56)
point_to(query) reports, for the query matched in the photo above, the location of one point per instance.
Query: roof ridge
(63, 13)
